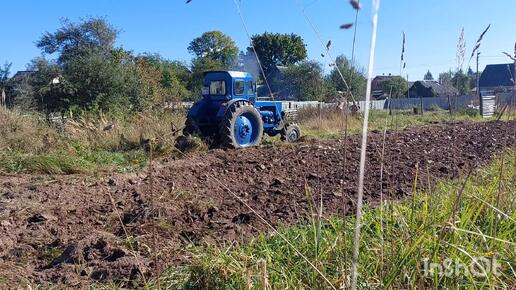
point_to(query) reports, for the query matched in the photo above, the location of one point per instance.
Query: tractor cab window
(218, 88)
(239, 87)
(250, 88)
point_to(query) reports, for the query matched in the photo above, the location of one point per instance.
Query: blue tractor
(230, 115)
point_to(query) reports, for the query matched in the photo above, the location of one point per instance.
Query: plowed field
(75, 230)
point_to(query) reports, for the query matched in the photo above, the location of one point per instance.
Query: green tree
(445, 78)
(428, 76)
(215, 45)
(76, 39)
(396, 86)
(461, 82)
(275, 49)
(199, 66)
(90, 73)
(305, 81)
(5, 71)
(354, 78)
(173, 77)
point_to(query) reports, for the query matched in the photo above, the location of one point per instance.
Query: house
(429, 89)
(497, 78)
(377, 86)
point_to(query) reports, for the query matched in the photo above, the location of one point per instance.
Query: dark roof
(497, 75)
(439, 89)
(377, 83)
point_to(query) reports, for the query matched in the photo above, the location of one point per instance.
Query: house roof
(439, 89)
(378, 81)
(497, 75)
(384, 78)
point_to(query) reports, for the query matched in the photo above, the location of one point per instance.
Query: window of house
(239, 87)
(218, 88)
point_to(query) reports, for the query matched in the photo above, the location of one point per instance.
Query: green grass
(72, 162)
(432, 225)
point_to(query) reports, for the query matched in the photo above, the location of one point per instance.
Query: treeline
(81, 68)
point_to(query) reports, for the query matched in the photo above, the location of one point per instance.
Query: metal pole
(514, 75)
(479, 95)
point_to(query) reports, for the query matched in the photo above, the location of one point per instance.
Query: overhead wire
(327, 48)
(239, 11)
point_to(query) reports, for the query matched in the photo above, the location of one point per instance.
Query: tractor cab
(228, 85)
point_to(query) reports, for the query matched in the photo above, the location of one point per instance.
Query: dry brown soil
(75, 230)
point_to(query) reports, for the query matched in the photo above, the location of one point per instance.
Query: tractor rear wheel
(290, 133)
(241, 127)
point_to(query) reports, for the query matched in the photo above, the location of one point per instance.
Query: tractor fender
(196, 108)
(225, 106)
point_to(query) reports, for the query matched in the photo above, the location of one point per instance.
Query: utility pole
(479, 95)
(511, 101)
(476, 49)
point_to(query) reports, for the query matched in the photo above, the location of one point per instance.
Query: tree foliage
(304, 81)
(216, 46)
(354, 78)
(428, 76)
(74, 39)
(396, 87)
(459, 80)
(171, 78)
(5, 71)
(275, 49)
(83, 69)
(199, 66)
(90, 73)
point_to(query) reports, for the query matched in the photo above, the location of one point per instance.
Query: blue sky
(167, 26)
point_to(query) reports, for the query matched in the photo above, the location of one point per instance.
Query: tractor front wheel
(241, 127)
(290, 133)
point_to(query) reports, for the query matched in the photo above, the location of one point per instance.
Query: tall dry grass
(327, 122)
(31, 143)
(330, 122)
(32, 133)
(24, 133)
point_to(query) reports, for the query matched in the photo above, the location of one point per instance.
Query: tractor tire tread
(225, 131)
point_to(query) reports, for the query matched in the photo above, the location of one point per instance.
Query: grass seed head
(355, 4)
(346, 26)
